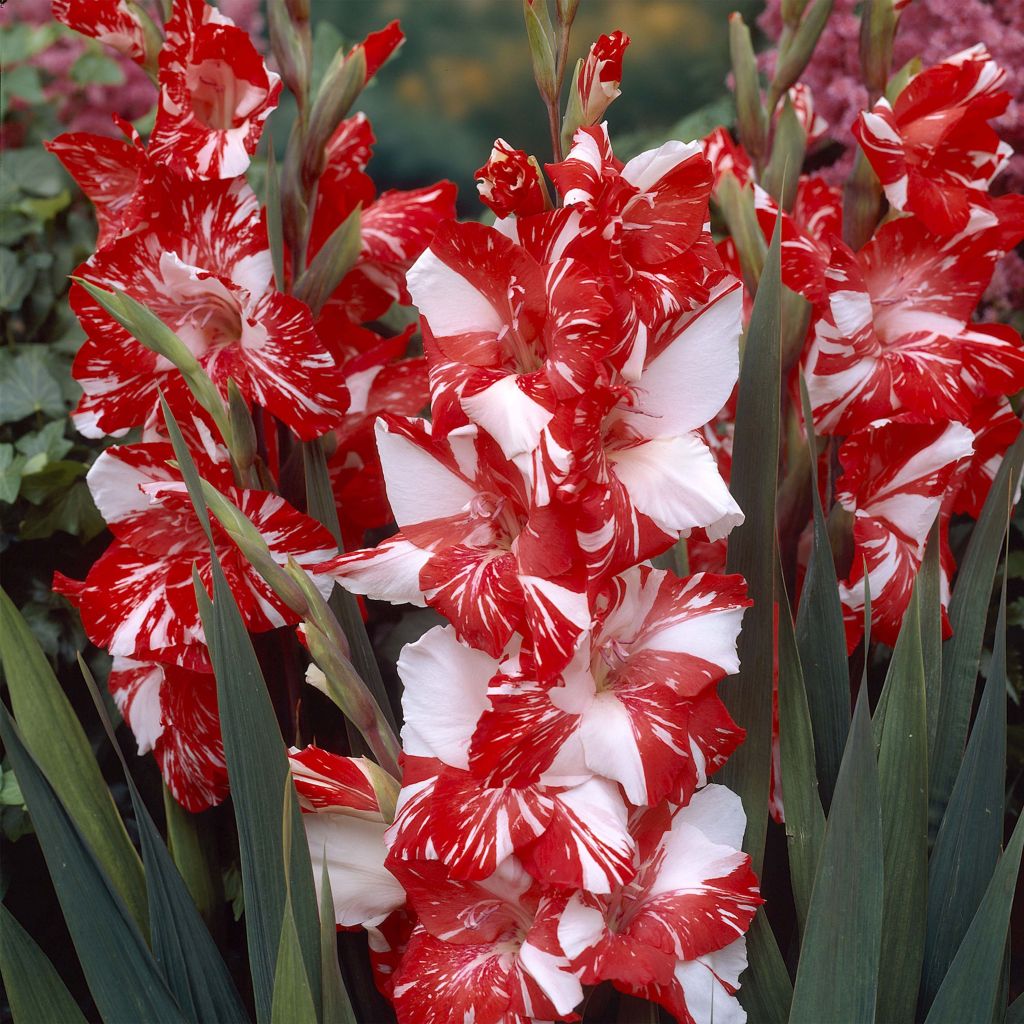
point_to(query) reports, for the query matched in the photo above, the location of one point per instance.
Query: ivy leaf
(72, 511)
(27, 386)
(16, 277)
(50, 441)
(11, 466)
(41, 480)
(33, 170)
(24, 83)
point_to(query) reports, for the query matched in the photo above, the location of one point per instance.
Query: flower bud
(793, 11)
(736, 204)
(751, 121)
(899, 80)
(292, 49)
(336, 257)
(794, 57)
(862, 202)
(877, 31)
(542, 49)
(243, 433)
(342, 83)
(511, 183)
(566, 11)
(789, 146)
(597, 82)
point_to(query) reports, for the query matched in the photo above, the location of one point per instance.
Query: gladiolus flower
(215, 95)
(933, 150)
(510, 182)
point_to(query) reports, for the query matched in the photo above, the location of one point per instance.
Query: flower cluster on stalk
(183, 233)
(556, 826)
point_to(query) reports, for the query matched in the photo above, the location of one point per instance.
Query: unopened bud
(796, 55)
(342, 83)
(566, 11)
(243, 433)
(901, 79)
(751, 120)
(862, 202)
(782, 175)
(793, 11)
(542, 49)
(736, 204)
(877, 31)
(335, 258)
(291, 44)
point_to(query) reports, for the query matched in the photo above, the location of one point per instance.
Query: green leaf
(32, 170)
(805, 820)
(1015, 1012)
(837, 976)
(28, 386)
(41, 479)
(34, 989)
(186, 954)
(258, 771)
(821, 638)
(336, 1003)
(970, 988)
(25, 83)
(752, 552)
(58, 743)
(186, 834)
(20, 41)
(901, 731)
(11, 466)
(10, 791)
(293, 1000)
(970, 836)
(16, 277)
(71, 510)
(961, 655)
(50, 441)
(122, 976)
(765, 990)
(929, 584)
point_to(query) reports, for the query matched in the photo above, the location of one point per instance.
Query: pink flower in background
(927, 30)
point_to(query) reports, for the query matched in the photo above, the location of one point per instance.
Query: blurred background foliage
(463, 77)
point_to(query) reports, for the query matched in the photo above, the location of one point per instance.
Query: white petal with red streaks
(676, 481)
(438, 672)
(364, 891)
(512, 417)
(388, 572)
(420, 486)
(135, 687)
(698, 353)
